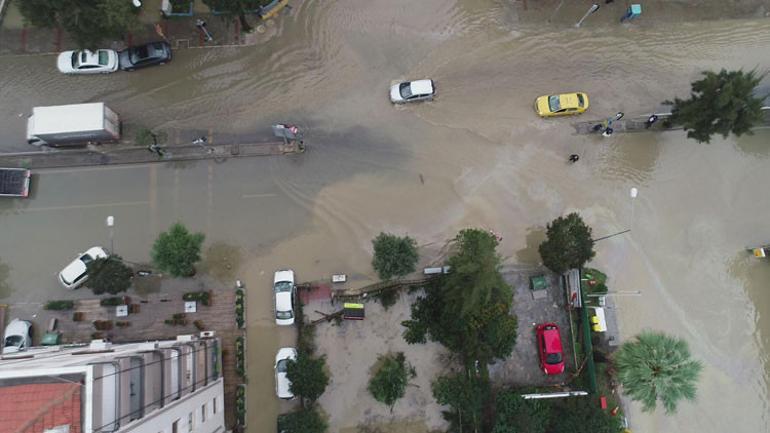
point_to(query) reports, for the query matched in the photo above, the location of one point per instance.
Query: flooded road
(475, 156)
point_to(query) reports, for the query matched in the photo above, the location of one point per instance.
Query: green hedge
(202, 297)
(60, 305)
(112, 301)
(240, 357)
(240, 308)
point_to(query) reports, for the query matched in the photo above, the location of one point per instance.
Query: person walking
(574, 158)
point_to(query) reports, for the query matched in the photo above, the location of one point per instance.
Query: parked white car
(412, 91)
(87, 62)
(282, 383)
(284, 290)
(76, 273)
(17, 336)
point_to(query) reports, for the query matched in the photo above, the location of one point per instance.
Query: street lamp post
(633, 193)
(111, 224)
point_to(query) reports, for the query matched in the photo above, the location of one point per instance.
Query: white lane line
(84, 206)
(84, 169)
(258, 195)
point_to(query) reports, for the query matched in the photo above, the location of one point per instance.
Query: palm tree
(655, 366)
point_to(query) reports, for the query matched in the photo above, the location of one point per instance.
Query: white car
(284, 290)
(17, 336)
(76, 273)
(282, 383)
(87, 62)
(412, 91)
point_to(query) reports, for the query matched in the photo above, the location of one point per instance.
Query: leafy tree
(389, 381)
(302, 421)
(394, 256)
(475, 279)
(655, 366)
(719, 104)
(581, 415)
(467, 396)
(108, 275)
(568, 244)
(513, 414)
(88, 22)
(238, 8)
(177, 250)
(308, 376)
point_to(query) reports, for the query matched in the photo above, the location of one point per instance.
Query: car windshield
(75, 59)
(103, 58)
(406, 90)
(581, 102)
(139, 54)
(86, 259)
(283, 286)
(553, 358)
(553, 103)
(283, 314)
(12, 340)
(281, 366)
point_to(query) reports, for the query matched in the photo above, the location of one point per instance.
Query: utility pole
(594, 7)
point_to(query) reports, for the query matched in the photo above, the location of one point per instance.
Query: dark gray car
(140, 56)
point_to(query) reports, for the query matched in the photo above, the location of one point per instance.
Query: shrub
(389, 381)
(203, 297)
(199, 325)
(112, 301)
(394, 256)
(109, 275)
(59, 305)
(240, 357)
(240, 302)
(122, 324)
(240, 405)
(102, 325)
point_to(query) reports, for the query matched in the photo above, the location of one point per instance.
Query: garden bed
(240, 308)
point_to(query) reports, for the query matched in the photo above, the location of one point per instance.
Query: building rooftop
(35, 408)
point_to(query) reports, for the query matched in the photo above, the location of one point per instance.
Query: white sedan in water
(76, 273)
(87, 62)
(282, 382)
(412, 91)
(17, 336)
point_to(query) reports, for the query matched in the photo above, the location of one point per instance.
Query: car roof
(568, 100)
(422, 87)
(74, 270)
(283, 301)
(552, 339)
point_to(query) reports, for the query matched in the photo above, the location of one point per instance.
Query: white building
(156, 387)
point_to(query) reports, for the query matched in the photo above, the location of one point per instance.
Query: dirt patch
(351, 349)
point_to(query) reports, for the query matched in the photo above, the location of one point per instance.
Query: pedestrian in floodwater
(574, 158)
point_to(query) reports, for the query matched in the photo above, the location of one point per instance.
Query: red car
(551, 353)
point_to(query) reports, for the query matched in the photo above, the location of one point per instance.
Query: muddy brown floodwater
(476, 156)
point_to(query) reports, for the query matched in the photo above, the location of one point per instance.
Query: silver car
(412, 91)
(17, 336)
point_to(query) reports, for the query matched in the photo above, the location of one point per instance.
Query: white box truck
(73, 125)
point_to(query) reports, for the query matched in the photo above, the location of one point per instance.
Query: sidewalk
(180, 32)
(219, 147)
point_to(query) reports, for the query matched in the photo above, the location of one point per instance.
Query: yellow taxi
(561, 105)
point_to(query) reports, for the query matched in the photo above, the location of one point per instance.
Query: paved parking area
(522, 368)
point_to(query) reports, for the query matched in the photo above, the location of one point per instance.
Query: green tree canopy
(655, 366)
(302, 421)
(308, 376)
(568, 244)
(467, 310)
(467, 396)
(394, 256)
(389, 381)
(513, 414)
(475, 280)
(88, 22)
(177, 250)
(719, 104)
(108, 275)
(237, 8)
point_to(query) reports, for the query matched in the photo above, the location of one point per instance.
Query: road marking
(85, 206)
(98, 168)
(258, 195)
